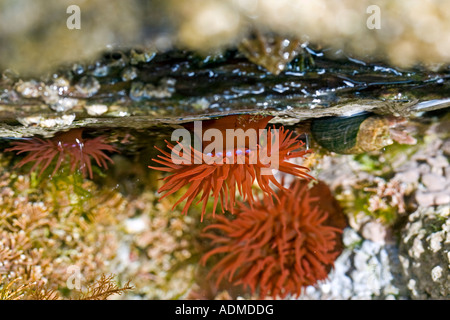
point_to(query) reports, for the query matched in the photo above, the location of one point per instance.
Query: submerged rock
(365, 270)
(424, 248)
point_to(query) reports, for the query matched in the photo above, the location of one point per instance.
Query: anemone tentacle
(221, 176)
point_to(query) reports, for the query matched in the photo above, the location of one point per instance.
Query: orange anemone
(64, 145)
(279, 247)
(219, 174)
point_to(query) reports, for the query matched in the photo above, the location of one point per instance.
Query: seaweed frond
(103, 288)
(8, 291)
(42, 293)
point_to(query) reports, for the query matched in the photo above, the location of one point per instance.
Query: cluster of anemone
(68, 147)
(273, 245)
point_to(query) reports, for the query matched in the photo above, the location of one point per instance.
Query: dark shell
(360, 133)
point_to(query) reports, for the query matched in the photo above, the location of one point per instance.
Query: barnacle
(278, 247)
(272, 53)
(64, 145)
(218, 174)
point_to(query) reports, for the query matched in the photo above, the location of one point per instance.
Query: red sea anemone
(278, 247)
(217, 174)
(64, 145)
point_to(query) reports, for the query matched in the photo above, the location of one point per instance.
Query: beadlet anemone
(276, 248)
(69, 146)
(238, 164)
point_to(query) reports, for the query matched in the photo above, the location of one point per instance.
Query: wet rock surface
(180, 86)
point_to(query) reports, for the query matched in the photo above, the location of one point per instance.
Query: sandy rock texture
(34, 35)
